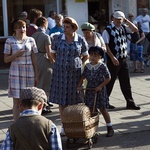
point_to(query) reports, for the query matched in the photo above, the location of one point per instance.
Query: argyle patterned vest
(118, 41)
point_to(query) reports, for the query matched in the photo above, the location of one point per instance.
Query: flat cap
(33, 93)
(87, 26)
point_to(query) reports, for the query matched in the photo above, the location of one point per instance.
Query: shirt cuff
(85, 53)
(52, 51)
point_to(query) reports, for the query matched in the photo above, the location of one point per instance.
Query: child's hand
(97, 89)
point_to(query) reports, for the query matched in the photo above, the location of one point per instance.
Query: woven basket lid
(76, 113)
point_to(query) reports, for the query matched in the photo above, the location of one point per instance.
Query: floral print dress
(67, 69)
(95, 75)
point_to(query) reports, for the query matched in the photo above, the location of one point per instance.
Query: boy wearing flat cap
(115, 38)
(31, 130)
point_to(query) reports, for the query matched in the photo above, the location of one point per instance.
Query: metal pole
(58, 11)
(5, 17)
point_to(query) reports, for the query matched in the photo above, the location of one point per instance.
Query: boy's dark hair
(29, 103)
(34, 13)
(96, 49)
(51, 13)
(41, 21)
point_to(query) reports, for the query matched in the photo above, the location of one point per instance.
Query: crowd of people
(50, 62)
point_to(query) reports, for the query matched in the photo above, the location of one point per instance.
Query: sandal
(142, 70)
(135, 70)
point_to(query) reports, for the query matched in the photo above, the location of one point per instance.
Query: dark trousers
(122, 72)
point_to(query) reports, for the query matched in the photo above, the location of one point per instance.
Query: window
(1, 20)
(98, 13)
(142, 4)
(15, 7)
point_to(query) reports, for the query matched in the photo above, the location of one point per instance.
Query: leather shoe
(110, 131)
(111, 106)
(46, 110)
(50, 104)
(132, 105)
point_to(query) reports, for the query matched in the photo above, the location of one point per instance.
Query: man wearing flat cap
(31, 130)
(115, 38)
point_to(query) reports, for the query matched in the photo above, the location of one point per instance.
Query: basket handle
(95, 97)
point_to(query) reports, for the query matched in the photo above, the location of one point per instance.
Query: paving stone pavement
(124, 121)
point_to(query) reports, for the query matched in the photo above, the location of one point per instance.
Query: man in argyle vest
(115, 37)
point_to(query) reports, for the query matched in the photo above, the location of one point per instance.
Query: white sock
(109, 124)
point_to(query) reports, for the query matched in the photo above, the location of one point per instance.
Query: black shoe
(46, 110)
(110, 131)
(49, 104)
(111, 106)
(132, 105)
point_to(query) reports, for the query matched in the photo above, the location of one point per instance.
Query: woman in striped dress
(20, 51)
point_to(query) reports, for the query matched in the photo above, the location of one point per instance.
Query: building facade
(97, 12)
(81, 10)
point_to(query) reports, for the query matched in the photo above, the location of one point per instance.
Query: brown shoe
(110, 131)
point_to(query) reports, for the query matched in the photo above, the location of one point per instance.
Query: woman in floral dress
(20, 51)
(70, 51)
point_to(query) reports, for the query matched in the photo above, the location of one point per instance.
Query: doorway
(98, 11)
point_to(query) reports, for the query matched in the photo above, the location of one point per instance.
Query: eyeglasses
(131, 16)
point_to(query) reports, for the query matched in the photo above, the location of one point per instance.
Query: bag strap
(99, 37)
(21, 139)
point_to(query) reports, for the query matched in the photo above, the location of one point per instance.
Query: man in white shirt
(144, 20)
(115, 38)
(51, 21)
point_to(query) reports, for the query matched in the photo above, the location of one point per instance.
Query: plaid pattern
(33, 93)
(136, 52)
(21, 73)
(20, 76)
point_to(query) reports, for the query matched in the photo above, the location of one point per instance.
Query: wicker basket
(78, 122)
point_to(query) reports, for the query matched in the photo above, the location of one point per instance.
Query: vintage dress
(95, 75)
(44, 64)
(67, 69)
(21, 72)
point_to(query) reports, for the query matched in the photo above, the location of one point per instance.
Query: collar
(75, 37)
(29, 112)
(41, 30)
(34, 25)
(94, 67)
